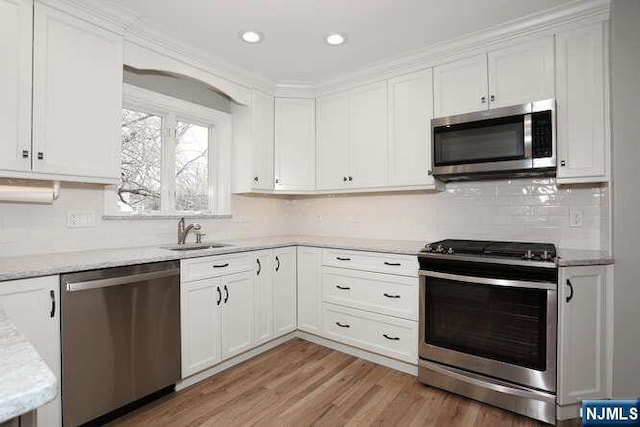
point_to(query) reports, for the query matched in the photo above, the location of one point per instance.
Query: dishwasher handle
(120, 280)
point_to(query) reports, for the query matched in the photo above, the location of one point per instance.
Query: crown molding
(105, 14)
(295, 90)
(575, 13)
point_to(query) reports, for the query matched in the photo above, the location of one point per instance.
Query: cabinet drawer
(371, 261)
(380, 293)
(214, 266)
(389, 336)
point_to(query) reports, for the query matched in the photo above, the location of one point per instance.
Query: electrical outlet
(575, 218)
(81, 219)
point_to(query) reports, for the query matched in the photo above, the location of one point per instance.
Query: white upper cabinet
(583, 129)
(15, 84)
(584, 332)
(461, 86)
(521, 73)
(262, 119)
(295, 144)
(333, 142)
(410, 114)
(368, 136)
(517, 74)
(77, 97)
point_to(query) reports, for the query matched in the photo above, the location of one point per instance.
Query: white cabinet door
(238, 308)
(200, 304)
(33, 305)
(310, 289)
(583, 127)
(368, 136)
(410, 114)
(262, 118)
(461, 86)
(264, 296)
(295, 144)
(284, 282)
(583, 330)
(521, 73)
(77, 97)
(332, 151)
(15, 84)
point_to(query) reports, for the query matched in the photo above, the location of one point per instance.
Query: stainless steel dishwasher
(120, 337)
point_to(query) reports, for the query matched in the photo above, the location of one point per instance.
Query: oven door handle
(491, 281)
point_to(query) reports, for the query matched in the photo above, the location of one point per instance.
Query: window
(174, 157)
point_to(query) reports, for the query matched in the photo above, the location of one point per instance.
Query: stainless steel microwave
(503, 142)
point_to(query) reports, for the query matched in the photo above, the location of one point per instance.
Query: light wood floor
(299, 383)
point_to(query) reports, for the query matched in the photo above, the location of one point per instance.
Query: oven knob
(545, 256)
(428, 248)
(528, 254)
(440, 249)
(450, 251)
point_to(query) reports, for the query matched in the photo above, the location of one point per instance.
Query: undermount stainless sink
(195, 246)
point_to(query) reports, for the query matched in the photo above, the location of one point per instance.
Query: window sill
(130, 217)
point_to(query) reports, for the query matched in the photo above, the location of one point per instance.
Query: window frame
(173, 110)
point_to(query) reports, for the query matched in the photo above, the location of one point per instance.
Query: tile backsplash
(523, 209)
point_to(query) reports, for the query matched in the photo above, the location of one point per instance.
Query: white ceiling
(293, 49)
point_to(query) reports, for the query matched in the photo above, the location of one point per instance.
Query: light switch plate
(81, 219)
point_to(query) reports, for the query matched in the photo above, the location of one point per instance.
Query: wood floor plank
(303, 384)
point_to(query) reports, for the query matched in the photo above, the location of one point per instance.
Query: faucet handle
(197, 226)
(199, 237)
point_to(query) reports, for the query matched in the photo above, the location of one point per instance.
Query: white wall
(523, 209)
(625, 70)
(34, 229)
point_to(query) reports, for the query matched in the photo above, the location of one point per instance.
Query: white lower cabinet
(200, 325)
(310, 289)
(237, 313)
(216, 312)
(584, 331)
(386, 335)
(33, 305)
(264, 297)
(284, 290)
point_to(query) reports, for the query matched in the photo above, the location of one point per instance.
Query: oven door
(497, 327)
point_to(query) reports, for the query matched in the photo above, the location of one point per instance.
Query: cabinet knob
(563, 163)
(25, 154)
(40, 155)
(344, 178)
(493, 98)
(483, 99)
(429, 172)
(277, 181)
(255, 179)
(350, 178)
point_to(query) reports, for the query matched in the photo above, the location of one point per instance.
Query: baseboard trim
(362, 354)
(249, 354)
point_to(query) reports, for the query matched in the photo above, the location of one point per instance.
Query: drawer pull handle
(391, 296)
(219, 296)
(344, 288)
(391, 338)
(226, 294)
(220, 265)
(343, 259)
(393, 264)
(259, 267)
(343, 325)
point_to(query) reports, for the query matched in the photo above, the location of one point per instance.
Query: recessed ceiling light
(336, 39)
(251, 36)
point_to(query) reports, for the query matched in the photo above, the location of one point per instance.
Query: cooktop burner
(520, 250)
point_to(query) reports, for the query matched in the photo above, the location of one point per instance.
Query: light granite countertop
(26, 382)
(577, 257)
(47, 264)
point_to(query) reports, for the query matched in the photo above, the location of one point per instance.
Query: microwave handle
(528, 136)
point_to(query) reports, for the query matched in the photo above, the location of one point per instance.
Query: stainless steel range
(488, 322)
